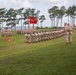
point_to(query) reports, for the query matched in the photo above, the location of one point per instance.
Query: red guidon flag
(9, 40)
(33, 20)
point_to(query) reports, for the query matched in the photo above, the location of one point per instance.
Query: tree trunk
(21, 22)
(11, 27)
(28, 26)
(15, 27)
(41, 24)
(33, 26)
(38, 24)
(25, 26)
(74, 20)
(68, 19)
(57, 22)
(61, 22)
(54, 22)
(51, 22)
(2, 26)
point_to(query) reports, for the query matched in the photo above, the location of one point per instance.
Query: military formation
(7, 33)
(21, 31)
(37, 36)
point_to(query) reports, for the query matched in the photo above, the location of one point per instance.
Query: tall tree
(54, 8)
(11, 18)
(71, 13)
(58, 18)
(26, 23)
(26, 17)
(62, 11)
(2, 16)
(20, 12)
(68, 13)
(53, 14)
(42, 18)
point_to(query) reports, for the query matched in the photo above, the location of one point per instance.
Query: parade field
(51, 57)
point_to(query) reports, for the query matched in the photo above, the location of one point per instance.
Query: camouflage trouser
(36, 38)
(28, 40)
(68, 38)
(33, 39)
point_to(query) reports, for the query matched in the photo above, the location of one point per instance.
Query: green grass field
(52, 57)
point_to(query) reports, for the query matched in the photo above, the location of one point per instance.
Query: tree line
(56, 14)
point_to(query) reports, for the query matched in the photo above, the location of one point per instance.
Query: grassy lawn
(52, 57)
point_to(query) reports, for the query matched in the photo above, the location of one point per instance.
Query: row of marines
(9, 33)
(23, 31)
(37, 36)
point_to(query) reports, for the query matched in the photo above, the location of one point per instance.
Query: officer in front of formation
(68, 33)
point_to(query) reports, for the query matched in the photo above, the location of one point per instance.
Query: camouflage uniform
(32, 38)
(28, 38)
(36, 36)
(39, 36)
(68, 34)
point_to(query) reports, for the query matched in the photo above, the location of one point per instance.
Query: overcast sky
(42, 5)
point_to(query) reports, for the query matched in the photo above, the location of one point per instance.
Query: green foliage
(42, 18)
(2, 16)
(11, 18)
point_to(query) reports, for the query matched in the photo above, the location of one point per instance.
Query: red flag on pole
(9, 40)
(33, 20)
